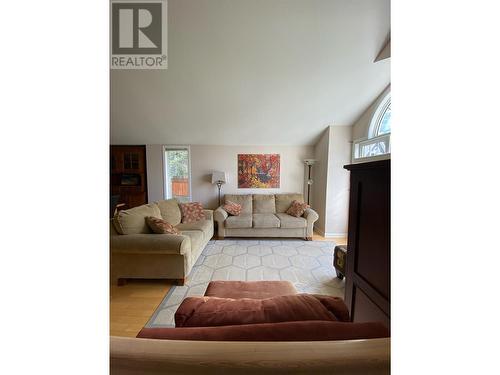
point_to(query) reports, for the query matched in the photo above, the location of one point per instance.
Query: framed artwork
(258, 171)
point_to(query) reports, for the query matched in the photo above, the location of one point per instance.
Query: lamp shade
(219, 177)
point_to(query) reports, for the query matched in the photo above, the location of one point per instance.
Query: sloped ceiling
(250, 72)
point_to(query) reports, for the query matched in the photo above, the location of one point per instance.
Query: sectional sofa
(264, 215)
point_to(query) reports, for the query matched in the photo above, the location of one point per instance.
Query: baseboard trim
(335, 235)
(329, 234)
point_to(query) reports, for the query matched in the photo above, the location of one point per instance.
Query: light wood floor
(132, 305)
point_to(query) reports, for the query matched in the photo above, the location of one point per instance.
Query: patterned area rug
(307, 264)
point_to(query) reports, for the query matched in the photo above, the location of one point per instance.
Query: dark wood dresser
(367, 292)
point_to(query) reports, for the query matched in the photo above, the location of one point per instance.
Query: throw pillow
(161, 226)
(297, 208)
(232, 208)
(192, 212)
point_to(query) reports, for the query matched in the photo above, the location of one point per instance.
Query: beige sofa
(137, 252)
(264, 215)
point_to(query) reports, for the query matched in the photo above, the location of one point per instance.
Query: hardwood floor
(132, 305)
(337, 240)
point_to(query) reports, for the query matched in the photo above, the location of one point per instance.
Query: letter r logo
(137, 28)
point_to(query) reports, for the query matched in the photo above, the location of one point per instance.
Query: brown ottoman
(249, 289)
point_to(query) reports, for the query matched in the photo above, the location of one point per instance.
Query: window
(378, 143)
(384, 125)
(381, 119)
(177, 168)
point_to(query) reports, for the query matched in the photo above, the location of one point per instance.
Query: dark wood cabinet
(128, 175)
(367, 292)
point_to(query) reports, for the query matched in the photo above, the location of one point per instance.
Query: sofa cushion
(144, 244)
(283, 201)
(192, 212)
(133, 221)
(335, 305)
(206, 226)
(196, 236)
(264, 204)
(315, 330)
(215, 311)
(170, 211)
(265, 221)
(244, 200)
(161, 226)
(240, 221)
(249, 289)
(291, 222)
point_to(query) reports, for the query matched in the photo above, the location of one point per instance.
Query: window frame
(373, 136)
(166, 148)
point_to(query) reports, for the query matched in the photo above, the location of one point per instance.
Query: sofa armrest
(209, 214)
(310, 215)
(150, 244)
(220, 215)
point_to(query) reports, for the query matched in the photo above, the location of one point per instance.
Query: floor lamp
(219, 178)
(309, 163)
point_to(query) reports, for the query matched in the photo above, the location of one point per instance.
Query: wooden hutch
(128, 175)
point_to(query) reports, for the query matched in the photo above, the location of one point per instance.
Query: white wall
(331, 181)
(337, 209)
(154, 166)
(255, 72)
(207, 158)
(362, 125)
(320, 176)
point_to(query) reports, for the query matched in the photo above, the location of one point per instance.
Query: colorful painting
(258, 171)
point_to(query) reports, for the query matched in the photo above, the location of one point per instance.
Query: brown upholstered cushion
(249, 289)
(191, 212)
(232, 208)
(264, 204)
(287, 331)
(214, 311)
(161, 226)
(297, 208)
(335, 305)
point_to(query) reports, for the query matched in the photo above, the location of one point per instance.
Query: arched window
(381, 120)
(378, 143)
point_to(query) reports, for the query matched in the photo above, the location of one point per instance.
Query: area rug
(307, 264)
